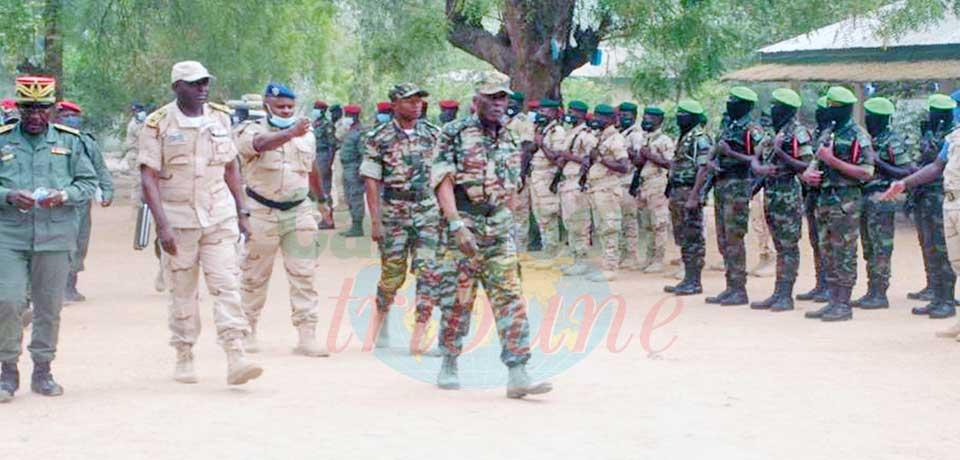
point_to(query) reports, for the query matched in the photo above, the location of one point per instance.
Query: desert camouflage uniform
(605, 194)
(546, 205)
(651, 203)
(574, 204)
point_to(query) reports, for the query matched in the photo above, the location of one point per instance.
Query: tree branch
(588, 40)
(477, 41)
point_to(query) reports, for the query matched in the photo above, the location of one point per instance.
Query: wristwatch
(456, 225)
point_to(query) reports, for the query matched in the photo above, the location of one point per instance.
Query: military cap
(188, 71)
(68, 105)
(449, 104)
(319, 104)
(822, 102)
(534, 104)
(278, 90)
(8, 103)
(405, 90)
(879, 106)
(548, 103)
(352, 109)
(841, 95)
(690, 106)
(604, 109)
(787, 97)
(628, 107)
(336, 107)
(384, 107)
(742, 92)
(941, 102)
(518, 96)
(493, 83)
(578, 105)
(653, 110)
(33, 89)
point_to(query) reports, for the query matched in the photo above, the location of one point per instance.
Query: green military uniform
(323, 134)
(105, 182)
(351, 155)
(819, 292)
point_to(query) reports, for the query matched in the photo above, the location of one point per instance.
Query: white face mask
(532, 116)
(348, 121)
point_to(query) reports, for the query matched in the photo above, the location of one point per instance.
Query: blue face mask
(383, 117)
(316, 113)
(141, 116)
(282, 123)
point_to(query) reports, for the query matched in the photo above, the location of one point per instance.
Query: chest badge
(58, 150)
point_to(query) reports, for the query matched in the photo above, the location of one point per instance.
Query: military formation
(461, 203)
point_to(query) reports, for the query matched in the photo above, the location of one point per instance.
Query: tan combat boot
(383, 334)
(656, 266)
(520, 385)
(765, 267)
(952, 333)
(308, 345)
(184, 372)
(420, 342)
(250, 342)
(239, 370)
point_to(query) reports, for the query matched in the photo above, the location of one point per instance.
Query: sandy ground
(733, 383)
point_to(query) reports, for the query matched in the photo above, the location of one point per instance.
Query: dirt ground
(733, 383)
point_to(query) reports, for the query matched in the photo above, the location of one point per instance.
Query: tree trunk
(53, 43)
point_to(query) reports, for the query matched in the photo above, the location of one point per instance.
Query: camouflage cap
(690, 106)
(879, 106)
(405, 90)
(841, 95)
(493, 83)
(787, 97)
(941, 102)
(742, 92)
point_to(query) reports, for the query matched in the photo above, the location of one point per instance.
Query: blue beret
(278, 90)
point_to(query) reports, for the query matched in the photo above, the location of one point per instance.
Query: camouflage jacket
(693, 151)
(743, 136)
(323, 132)
(400, 160)
(795, 141)
(495, 179)
(891, 147)
(851, 144)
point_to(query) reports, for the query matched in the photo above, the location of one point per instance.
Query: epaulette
(431, 125)
(220, 107)
(153, 120)
(7, 128)
(66, 129)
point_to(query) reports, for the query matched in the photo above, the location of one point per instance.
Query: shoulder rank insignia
(6, 128)
(66, 129)
(154, 119)
(221, 108)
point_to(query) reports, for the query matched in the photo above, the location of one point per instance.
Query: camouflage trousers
(732, 216)
(928, 215)
(325, 169)
(575, 208)
(605, 202)
(294, 234)
(521, 215)
(687, 227)
(810, 210)
(877, 231)
(629, 228)
(783, 209)
(838, 224)
(495, 266)
(546, 209)
(353, 189)
(654, 215)
(410, 232)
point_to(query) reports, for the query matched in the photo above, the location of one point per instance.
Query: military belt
(734, 173)
(394, 194)
(281, 205)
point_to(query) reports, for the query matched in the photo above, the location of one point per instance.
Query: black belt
(477, 209)
(281, 205)
(734, 173)
(404, 195)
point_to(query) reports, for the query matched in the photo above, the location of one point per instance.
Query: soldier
(384, 113)
(629, 206)
(686, 207)
(877, 222)
(8, 112)
(522, 132)
(44, 175)
(780, 158)
(601, 178)
(405, 225)
(448, 111)
(70, 114)
(138, 114)
(653, 150)
(199, 209)
(844, 163)
(574, 205)
(548, 142)
(819, 292)
(928, 215)
(476, 173)
(277, 156)
(350, 157)
(733, 154)
(323, 134)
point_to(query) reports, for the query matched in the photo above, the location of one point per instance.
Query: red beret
(352, 109)
(384, 107)
(589, 116)
(320, 104)
(449, 104)
(534, 104)
(67, 105)
(8, 103)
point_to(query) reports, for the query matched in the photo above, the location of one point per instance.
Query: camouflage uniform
(484, 193)
(409, 212)
(351, 155)
(630, 208)
(605, 194)
(877, 221)
(105, 183)
(652, 204)
(928, 216)
(546, 205)
(693, 150)
(325, 141)
(574, 204)
(521, 130)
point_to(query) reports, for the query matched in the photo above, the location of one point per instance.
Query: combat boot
(239, 370)
(519, 384)
(871, 293)
(879, 299)
(719, 297)
(578, 268)
(841, 310)
(602, 276)
(70, 294)
(307, 344)
(923, 294)
(930, 294)
(818, 313)
(419, 342)
(942, 307)
(9, 381)
(818, 292)
(42, 382)
(184, 372)
(785, 301)
(355, 230)
(766, 303)
(737, 297)
(692, 280)
(952, 333)
(656, 266)
(448, 379)
(383, 334)
(250, 342)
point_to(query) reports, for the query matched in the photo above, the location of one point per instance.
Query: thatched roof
(850, 71)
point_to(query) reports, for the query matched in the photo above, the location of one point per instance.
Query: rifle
(526, 167)
(558, 175)
(758, 182)
(636, 181)
(585, 169)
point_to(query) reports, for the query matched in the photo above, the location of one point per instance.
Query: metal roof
(849, 71)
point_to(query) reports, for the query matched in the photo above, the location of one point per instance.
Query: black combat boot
(942, 307)
(923, 294)
(785, 301)
(841, 310)
(818, 291)
(9, 381)
(932, 288)
(692, 280)
(355, 230)
(818, 313)
(42, 381)
(736, 298)
(766, 303)
(719, 297)
(879, 299)
(871, 293)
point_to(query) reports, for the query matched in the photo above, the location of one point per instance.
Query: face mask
(141, 116)
(512, 112)
(72, 121)
(820, 115)
(687, 121)
(447, 116)
(316, 114)
(383, 117)
(596, 124)
(647, 126)
(781, 114)
(540, 119)
(738, 108)
(282, 123)
(840, 115)
(569, 119)
(938, 119)
(626, 122)
(348, 121)
(877, 124)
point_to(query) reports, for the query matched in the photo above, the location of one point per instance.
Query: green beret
(879, 106)
(517, 96)
(578, 105)
(547, 103)
(653, 110)
(690, 106)
(742, 92)
(787, 97)
(941, 102)
(822, 102)
(628, 107)
(841, 95)
(603, 109)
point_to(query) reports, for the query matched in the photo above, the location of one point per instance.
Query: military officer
(350, 158)
(574, 204)
(844, 162)
(476, 173)
(522, 132)
(819, 292)
(192, 184)
(384, 113)
(653, 150)
(45, 174)
(448, 111)
(629, 206)
(323, 134)
(549, 139)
